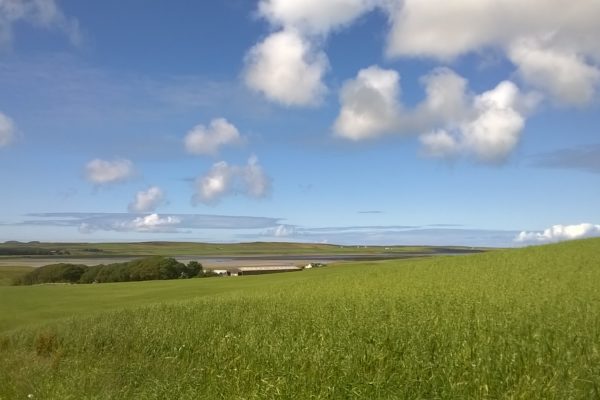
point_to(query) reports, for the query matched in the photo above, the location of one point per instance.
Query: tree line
(145, 269)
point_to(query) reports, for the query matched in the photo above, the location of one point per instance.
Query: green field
(205, 249)
(507, 324)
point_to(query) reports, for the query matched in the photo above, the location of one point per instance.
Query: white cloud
(215, 184)
(256, 181)
(90, 222)
(314, 16)
(490, 131)
(103, 171)
(154, 222)
(42, 13)
(565, 75)
(497, 127)
(443, 29)
(286, 68)
(450, 119)
(208, 140)
(224, 179)
(369, 104)
(558, 233)
(148, 200)
(553, 44)
(446, 29)
(566, 66)
(148, 223)
(282, 231)
(440, 144)
(7, 130)
(446, 99)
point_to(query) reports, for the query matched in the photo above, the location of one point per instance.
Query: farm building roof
(268, 268)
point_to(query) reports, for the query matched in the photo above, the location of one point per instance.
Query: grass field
(509, 324)
(215, 249)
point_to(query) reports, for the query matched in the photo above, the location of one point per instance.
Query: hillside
(505, 324)
(205, 249)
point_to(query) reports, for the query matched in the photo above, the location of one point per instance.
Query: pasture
(507, 324)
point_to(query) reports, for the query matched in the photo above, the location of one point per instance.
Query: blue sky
(338, 121)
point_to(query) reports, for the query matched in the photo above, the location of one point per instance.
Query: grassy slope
(507, 324)
(34, 305)
(212, 249)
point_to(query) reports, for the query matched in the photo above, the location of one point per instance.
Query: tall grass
(8, 274)
(522, 324)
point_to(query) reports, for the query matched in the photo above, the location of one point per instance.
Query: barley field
(508, 324)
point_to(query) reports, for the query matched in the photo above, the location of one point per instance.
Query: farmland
(504, 324)
(92, 250)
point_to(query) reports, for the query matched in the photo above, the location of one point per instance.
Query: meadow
(507, 324)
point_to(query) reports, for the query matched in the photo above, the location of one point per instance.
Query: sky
(390, 122)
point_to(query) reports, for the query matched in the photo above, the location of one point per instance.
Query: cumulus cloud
(287, 68)
(215, 183)
(446, 99)
(255, 180)
(369, 104)
(314, 16)
(440, 144)
(558, 233)
(208, 140)
(497, 127)
(7, 130)
(154, 222)
(553, 45)
(565, 75)
(446, 29)
(450, 119)
(490, 132)
(41, 13)
(102, 172)
(487, 126)
(565, 66)
(224, 179)
(147, 200)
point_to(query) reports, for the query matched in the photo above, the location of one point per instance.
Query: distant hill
(208, 249)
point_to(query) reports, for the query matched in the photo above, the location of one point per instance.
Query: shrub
(53, 273)
(150, 268)
(194, 268)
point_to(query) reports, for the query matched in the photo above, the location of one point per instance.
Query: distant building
(314, 265)
(270, 269)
